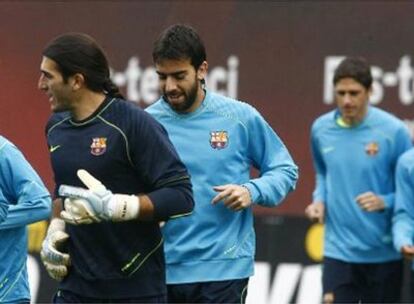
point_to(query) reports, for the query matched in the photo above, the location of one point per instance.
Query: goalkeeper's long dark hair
(80, 53)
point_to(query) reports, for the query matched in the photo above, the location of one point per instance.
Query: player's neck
(86, 104)
(201, 94)
(349, 122)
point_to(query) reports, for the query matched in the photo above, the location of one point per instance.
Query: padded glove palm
(55, 261)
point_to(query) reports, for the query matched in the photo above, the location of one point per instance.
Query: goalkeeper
(118, 176)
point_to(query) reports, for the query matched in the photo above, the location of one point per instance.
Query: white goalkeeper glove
(55, 261)
(96, 204)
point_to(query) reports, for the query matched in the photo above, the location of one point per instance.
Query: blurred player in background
(23, 201)
(403, 220)
(355, 150)
(99, 145)
(210, 254)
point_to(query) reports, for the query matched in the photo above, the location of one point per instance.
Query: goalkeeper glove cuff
(123, 207)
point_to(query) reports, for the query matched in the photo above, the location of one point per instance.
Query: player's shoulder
(116, 105)
(157, 108)
(325, 120)
(385, 120)
(124, 112)
(230, 107)
(7, 148)
(4, 143)
(56, 119)
(228, 103)
(407, 158)
(384, 116)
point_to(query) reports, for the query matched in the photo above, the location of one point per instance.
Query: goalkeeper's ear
(89, 181)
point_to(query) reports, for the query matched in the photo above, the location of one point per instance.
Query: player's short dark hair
(356, 68)
(179, 42)
(80, 53)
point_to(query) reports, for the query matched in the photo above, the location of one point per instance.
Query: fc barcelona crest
(98, 146)
(219, 139)
(372, 148)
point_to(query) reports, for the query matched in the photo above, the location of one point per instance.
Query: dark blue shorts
(365, 282)
(64, 296)
(231, 291)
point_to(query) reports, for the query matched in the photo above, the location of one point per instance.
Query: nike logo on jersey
(54, 148)
(327, 149)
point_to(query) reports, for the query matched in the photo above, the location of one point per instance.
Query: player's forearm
(57, 207)
(273, 186)
(319, 193)
(172, 201)
(389, 199)
(146, 208)
(4, 207)
(402, 230)
(27, 211)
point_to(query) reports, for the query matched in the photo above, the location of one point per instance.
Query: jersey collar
(98, 111)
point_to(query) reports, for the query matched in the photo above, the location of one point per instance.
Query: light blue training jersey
(349, 162)
(403, 220)
(219, 143)
(28, 201)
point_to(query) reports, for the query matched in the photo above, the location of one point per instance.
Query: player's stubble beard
(190, 97)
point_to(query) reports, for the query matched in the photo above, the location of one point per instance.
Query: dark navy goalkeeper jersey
(130, 153)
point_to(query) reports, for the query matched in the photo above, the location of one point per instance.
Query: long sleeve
(403, 219)
(27, 197)
(278, 172)
(171, 192)
(4, 207)
(401, 145)
(319, 193)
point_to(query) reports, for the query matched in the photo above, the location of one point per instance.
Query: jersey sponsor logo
(98, 146)
(219, 139)
(53, 148)
(372, 149)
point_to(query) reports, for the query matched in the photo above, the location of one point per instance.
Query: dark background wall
(273, 55)
(281, 48)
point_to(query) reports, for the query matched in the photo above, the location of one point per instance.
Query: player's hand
(78, 211)
(53, 258)
(370, 202)
(95, 204)
(408, 251)
(234, 197)
(316, 212)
